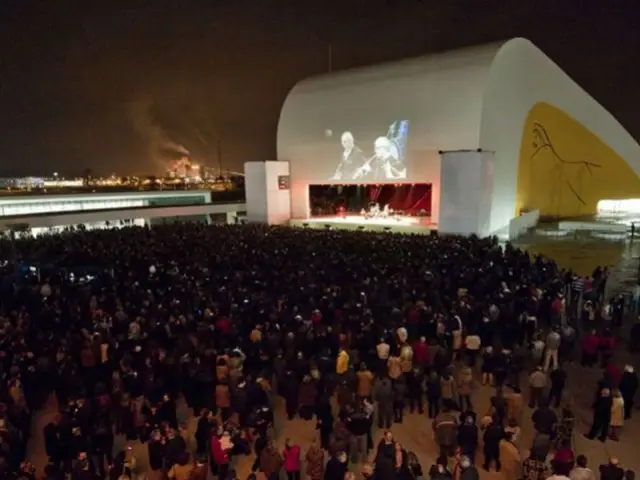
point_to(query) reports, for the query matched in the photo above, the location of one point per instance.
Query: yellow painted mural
(565, 169)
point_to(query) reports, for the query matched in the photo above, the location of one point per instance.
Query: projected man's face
(347, 141)
(382, 147)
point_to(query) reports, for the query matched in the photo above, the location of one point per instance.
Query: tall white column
(268, 192)
(466, 185)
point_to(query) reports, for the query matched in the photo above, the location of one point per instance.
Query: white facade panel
(465, 198)
(267, 199)
(278, 197)
(255, 186)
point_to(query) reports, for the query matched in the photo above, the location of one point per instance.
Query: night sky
(122, 86)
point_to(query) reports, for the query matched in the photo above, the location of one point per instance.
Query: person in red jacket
(219, 455)
(590, 345)
(614, 374)
(607, 346)
(291, 457)
(421, 354)
(223, 325)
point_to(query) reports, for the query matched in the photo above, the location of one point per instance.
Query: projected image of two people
(386, 163)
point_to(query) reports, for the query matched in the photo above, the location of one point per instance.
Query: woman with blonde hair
(617, 415)
(406, 359)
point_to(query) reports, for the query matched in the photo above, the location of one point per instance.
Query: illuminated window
(619, 207)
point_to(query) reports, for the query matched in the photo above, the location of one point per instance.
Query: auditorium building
(492, 131)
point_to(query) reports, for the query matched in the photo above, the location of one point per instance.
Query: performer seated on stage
(385, 211)
(374, 211)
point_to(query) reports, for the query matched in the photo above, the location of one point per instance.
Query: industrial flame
(161, 148)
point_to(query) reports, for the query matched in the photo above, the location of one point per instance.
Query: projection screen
(383, 124)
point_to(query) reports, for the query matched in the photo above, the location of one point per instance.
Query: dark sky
(110, 85)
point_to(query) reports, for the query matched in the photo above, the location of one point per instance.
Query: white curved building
(496, 130)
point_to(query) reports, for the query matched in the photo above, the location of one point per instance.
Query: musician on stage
(384, 165)
(374, 211)
(352, 157)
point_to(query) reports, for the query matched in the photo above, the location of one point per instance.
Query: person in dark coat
(544, 418)
(601, 416)
(258, 446)
(434, 393)
(386, 449)
(558, 379)
(468, 470)
(288, 388)
(324, 422)
(492, 436)
(440, 470)
(415, 390)
(52, 442)
(399, 396)
(468, 437)
(383, 394)
(174, 448)
(307, 396)
(611, 470)
(336, 467)
(103, 445)
(156, 451)
(628, 387)
(203, 431)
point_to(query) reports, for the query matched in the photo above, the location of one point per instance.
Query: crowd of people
(351, 329)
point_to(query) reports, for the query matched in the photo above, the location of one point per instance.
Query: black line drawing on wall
(542, 142)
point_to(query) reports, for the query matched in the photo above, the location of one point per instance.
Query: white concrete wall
(255, 187)
(278, 200)
(266, 202)
(521, 76)
(440, 96)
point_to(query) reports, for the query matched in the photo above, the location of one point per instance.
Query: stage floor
(415, 225)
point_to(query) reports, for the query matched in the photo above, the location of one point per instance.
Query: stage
(402, 224)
